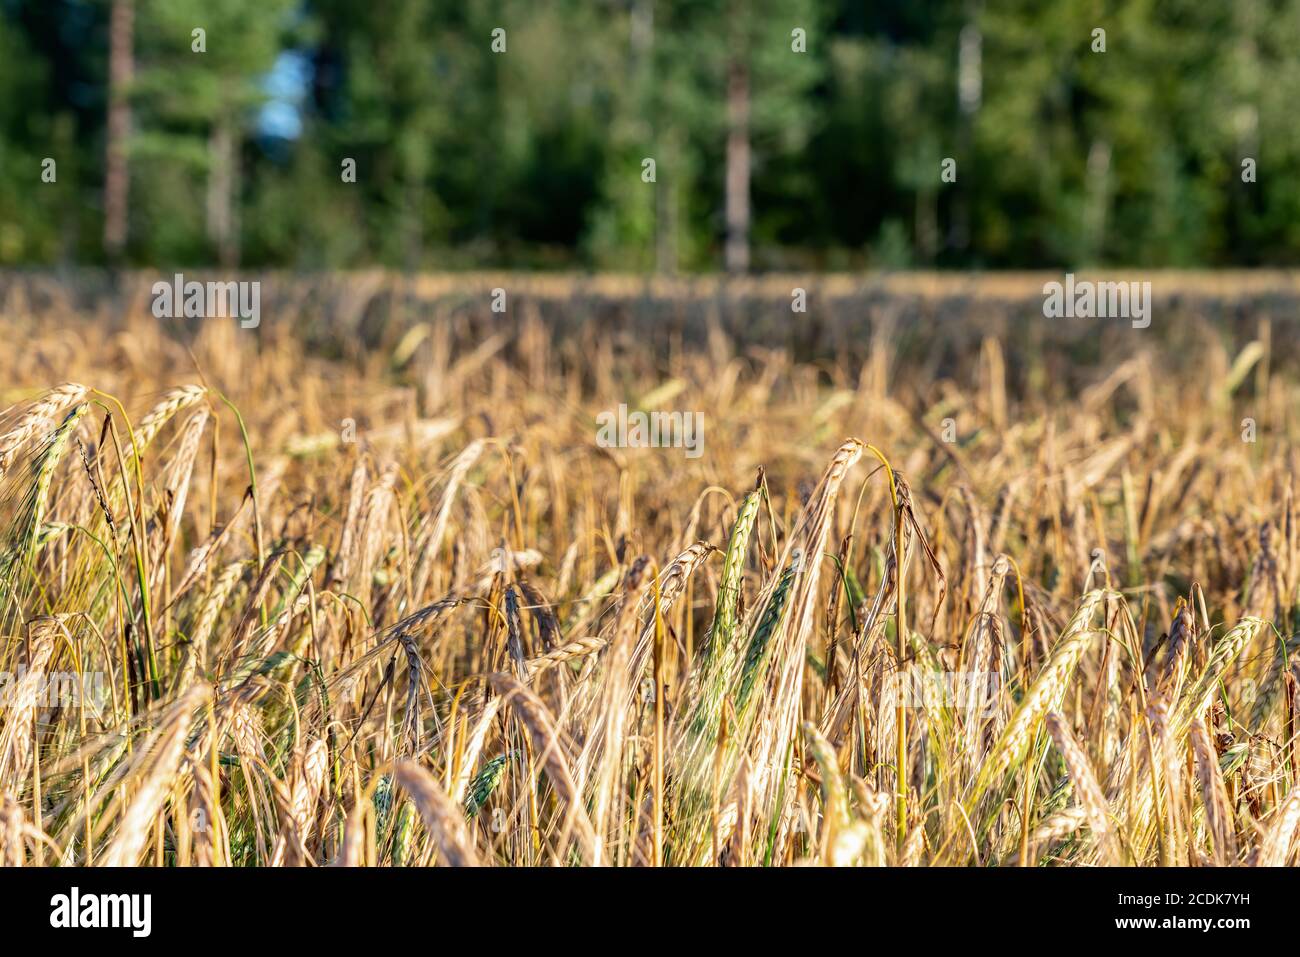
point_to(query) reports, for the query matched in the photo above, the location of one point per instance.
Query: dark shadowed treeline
(649, 135)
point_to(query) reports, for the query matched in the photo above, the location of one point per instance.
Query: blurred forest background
(532, 156)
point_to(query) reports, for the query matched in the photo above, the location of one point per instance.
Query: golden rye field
(397, 607)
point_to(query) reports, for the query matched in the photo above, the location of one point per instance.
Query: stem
(252, 482)
(900, 712)
(658, 847)
(900, 620)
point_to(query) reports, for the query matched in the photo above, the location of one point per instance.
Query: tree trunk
(1098, 199)
(970, 87)
(117, 179)
(223, 173)
(737, 185)
(667, 197)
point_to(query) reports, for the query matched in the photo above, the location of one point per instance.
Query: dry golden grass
(473, 636)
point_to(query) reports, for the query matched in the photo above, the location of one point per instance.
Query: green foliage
(533, 156)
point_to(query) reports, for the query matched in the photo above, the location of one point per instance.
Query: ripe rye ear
(442, 817)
